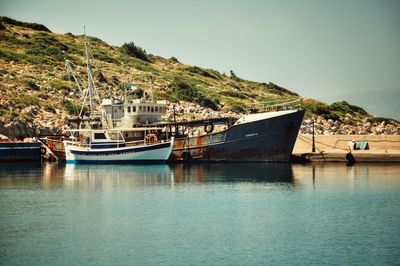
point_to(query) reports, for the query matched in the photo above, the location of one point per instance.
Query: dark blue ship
(20, 151)
(262, 137)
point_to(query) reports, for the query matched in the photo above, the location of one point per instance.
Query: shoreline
(333, 148)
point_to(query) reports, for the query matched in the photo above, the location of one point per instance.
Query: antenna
(151, 87)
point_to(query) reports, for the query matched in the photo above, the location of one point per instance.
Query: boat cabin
(133, 112)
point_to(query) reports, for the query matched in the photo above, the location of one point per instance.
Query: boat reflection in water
(230, 172)
(117, 175)
(162, 174)
(53, 175)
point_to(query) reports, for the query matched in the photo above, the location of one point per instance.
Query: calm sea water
(202, 214)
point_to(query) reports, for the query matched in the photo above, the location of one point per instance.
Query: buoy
(350, 158)
(43, 150)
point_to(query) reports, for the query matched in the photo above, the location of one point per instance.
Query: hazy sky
(316, 48)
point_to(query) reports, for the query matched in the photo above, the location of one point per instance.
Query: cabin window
(129, 109)
(148, 108)
(134, 109)
(152, 109)
(115, 136)
(156, 109)
(99, 136)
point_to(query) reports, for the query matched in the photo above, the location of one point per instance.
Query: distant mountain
(385, 103)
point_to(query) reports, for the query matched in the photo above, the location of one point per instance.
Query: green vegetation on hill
(132, 50)
(32, 62)
(34, 26)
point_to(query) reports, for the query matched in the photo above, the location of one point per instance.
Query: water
(203, 214)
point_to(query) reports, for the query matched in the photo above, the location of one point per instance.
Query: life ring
(150, 139)
(208, 128)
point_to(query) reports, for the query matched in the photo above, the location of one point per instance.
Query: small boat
(20, 151)
(56, 145)
(110, 146)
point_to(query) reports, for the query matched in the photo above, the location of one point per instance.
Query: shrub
(234, 94)
(135, 51)
(378, 120)
(44, 38)
(30, 84)
(9, 55)
(186, 91)
(234, 77)
(174, 59)
(237, 108)
(208, 73)
(345, 107)
(26, 100)
(278, 89)
(37, 60)
(102, 55)
(11, 39)
(46, 50)
(72, 108)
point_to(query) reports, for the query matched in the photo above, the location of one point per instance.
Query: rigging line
(319, 142)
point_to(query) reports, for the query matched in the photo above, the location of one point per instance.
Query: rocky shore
(349, 126)
(50, 123)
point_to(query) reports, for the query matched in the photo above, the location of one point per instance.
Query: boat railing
(271, 106)
(113, 144)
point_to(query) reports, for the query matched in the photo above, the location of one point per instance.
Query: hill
(38, 95)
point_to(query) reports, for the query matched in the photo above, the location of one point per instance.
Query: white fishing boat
(110, 146)
(99, 139)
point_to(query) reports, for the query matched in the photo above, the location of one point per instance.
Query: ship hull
(146, 153)
(264, 139)
(20, 151)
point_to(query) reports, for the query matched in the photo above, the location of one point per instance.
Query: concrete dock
(333, 148)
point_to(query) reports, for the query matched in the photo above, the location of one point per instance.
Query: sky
(318, 49)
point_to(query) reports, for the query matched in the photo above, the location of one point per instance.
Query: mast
(90, 78)
(91, 91)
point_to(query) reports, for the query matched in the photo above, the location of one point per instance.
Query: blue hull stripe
(119, 152)
(117, 162)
